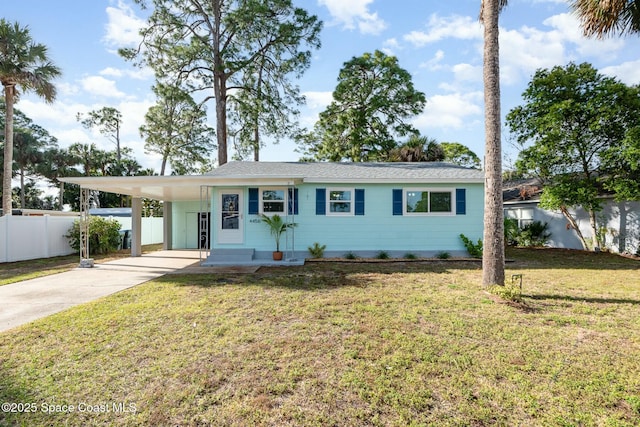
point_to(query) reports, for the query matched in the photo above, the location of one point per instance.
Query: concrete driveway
(29, 300)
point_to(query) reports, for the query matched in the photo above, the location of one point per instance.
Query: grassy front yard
(416, 343)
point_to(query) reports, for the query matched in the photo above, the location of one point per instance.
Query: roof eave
(394, 181)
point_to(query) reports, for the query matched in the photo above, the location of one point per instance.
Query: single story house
(363, 208)
(619, 220)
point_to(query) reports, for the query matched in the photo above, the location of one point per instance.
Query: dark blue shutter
(397, 201)
(254, 203)
(293, 201)
(321, 201)
(359, 207)
(461, 201)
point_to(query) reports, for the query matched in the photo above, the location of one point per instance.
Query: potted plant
(276, 227)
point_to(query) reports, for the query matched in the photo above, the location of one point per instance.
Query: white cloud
(566, 28)
(355, 13)
(455, 110)
(123, 26)
(112, 72)
(439, 28)
(627, 72)
(66, 89)
(370, 23)
(99, 86)
(318, 100)
(135, 73)
(467, 73)
(524, 50)
(434, 63)
(390, 45)
(58, 113)
(527, 49)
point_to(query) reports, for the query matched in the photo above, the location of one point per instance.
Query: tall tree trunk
(163, 165)
(256, 124)
(221, 119)
(118, 151)
(219, 85)
(594, 229)
(61, 202)
(9, 91)
(256, 143)
(493, 252)
(23, 201)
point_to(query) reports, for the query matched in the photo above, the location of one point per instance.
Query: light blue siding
(185, 225)
(378, 229)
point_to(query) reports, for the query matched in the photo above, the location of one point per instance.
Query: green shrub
(511, 231)
(474, 249)
(104, 235)
(533, 234)
(350, 255)
(443, 255)
(409, 255)
(382, 255)
(316, 250)
(508, 292)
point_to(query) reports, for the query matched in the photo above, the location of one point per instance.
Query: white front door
(229, 216)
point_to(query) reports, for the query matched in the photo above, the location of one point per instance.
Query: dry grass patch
(343, 344)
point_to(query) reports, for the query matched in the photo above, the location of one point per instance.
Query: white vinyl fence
(152, 229)
(32, 237)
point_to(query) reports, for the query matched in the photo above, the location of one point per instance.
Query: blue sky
(438, 42)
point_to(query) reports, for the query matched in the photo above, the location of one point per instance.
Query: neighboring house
(620, 221)
(364, 208)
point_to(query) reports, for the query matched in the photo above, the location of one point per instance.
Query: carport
(167, 189)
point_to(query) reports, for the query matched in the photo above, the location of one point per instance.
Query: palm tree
(417, 149)
(22, 63)
(601, 18)
(493, 241)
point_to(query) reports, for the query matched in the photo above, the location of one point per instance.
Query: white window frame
(519, 215)
(351, 201)
(261, 200)
(430, 190)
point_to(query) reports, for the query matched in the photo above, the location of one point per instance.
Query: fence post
(47, 238)
(5, 221)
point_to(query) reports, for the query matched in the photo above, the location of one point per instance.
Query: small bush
(104, 235)
(316, 250)
(533, 234)
(350, 255)
(382, 255)
(509, 292)
(443, 255)
(474, 249)
(511, 231)
(409, 255)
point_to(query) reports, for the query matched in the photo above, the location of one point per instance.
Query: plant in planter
(276, 227)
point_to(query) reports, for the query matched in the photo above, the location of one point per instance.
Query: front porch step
(231, 255)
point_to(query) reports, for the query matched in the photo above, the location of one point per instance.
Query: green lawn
(337, 344)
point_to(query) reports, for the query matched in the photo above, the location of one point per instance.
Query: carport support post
(136, 226)
(167, 224)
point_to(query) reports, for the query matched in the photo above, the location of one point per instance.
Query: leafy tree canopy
(460, 154)
(577, 133)
(176, 128)
(217, 47)
(372, 105)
